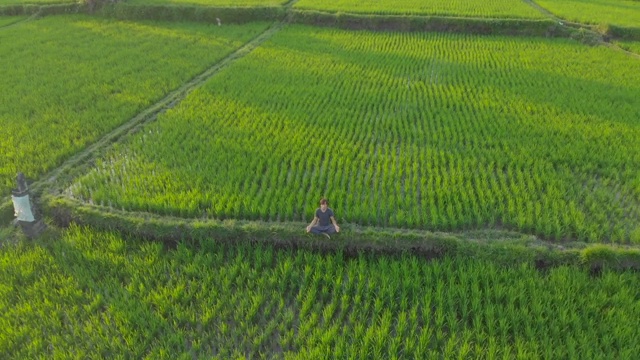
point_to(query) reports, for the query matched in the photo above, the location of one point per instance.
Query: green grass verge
(620, 32)
(226, 15)
(518, 27)
(42, 9)
(499, 246)
(86, 293)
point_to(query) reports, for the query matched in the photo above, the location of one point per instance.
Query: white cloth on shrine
(22, 208)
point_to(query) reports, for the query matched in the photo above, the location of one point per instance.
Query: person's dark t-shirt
(325, 217)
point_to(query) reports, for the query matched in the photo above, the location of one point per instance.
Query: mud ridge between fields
(503, 246)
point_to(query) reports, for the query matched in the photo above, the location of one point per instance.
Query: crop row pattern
(472, 8)
(618, 12)
(435, 131)
(98, 294)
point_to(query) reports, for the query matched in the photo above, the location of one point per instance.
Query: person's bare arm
(335, 223)
(313, 223)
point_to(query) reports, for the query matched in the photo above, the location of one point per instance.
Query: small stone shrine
(26, 216)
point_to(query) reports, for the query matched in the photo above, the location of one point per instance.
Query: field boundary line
(26, 19)
(543, 11)
(71, 166)
(419, 15)
(289, 4)
(619, 48)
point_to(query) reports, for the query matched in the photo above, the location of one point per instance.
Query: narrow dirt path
(542, 10)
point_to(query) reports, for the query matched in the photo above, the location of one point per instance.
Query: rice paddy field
(247, 3)
(73, 79)
(617, 12)
(473, 8)
(436, 132)
(405, 130)
(96, 294)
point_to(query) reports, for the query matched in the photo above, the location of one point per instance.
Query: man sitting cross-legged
(324, 221)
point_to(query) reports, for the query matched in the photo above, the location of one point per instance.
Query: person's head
(324, 204)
